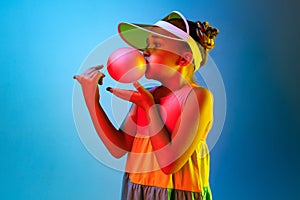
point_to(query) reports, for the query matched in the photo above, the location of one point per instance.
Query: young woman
(165, 131)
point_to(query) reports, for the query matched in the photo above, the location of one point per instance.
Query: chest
(169, 108)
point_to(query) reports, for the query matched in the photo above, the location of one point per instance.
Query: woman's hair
(204, 35)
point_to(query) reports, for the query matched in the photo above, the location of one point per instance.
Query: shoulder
(200, 100)
(202, 93)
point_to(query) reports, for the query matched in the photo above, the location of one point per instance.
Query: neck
(174, 83)
(180, 78)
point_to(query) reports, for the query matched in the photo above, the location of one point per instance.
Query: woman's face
(163, 55)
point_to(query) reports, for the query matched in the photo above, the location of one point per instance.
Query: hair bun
(206, 34)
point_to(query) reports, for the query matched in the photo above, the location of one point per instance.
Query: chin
(148, 74)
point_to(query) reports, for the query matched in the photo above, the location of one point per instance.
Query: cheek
(156, 59)
(163, 59)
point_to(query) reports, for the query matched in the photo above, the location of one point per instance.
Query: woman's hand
(89, 81)
(115, 140)
(142, 97)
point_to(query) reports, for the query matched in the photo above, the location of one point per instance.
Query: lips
(146, 58)
(147, 62)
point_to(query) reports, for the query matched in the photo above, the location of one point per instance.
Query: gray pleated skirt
(132, 191)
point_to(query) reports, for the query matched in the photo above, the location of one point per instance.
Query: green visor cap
(136, 35)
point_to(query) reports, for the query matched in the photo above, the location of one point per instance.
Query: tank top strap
(182, 94)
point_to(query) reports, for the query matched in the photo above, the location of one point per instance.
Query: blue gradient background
(44, 43)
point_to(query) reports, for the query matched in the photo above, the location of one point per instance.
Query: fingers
(98, 67)
(78, 78)
(90, 74)
(93, 74)
(129, 95)
(123, 94)
(92, 70)
(139, 87)
(97, 76)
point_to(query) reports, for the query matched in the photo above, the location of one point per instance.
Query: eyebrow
(152, 36)
(155, 36)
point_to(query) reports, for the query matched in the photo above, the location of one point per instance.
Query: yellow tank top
(142, 165)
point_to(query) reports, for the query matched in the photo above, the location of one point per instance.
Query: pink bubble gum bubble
(126, 65)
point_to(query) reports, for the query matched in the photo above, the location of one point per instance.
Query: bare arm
(116, 141)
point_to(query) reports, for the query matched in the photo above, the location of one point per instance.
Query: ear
(185, 59)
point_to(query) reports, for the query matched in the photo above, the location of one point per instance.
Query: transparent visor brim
(136, 35)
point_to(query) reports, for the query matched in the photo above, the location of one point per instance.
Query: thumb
(139, 87)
